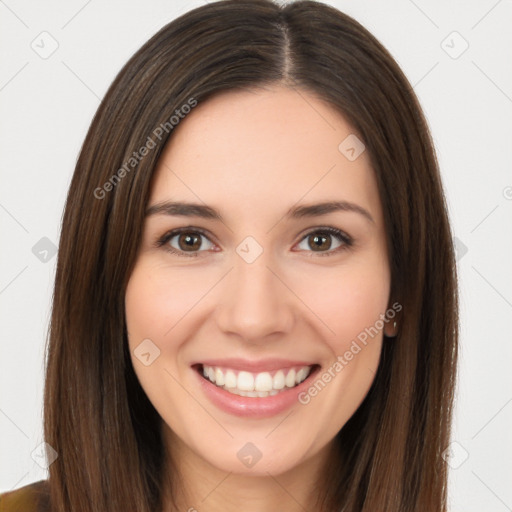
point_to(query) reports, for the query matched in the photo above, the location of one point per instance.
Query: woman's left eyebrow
(315, 210)
(183, 209)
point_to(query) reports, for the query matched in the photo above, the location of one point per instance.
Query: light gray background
(48, 103)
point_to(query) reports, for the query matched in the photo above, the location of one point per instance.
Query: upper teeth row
(263, 381)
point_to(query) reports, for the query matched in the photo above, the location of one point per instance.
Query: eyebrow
(297, 212)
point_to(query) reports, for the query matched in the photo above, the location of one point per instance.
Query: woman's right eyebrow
(184, 210)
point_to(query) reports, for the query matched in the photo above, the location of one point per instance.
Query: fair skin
(253, 155)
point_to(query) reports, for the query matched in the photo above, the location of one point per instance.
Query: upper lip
(254, 366)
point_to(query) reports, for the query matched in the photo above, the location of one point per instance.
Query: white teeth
(290, 379)
(261, 384)
(219, 377)
(278, 380)
(245, 381)
(301, 375)
(229, 379)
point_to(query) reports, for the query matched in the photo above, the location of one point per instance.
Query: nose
(256, 302)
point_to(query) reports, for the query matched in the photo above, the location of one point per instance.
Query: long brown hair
(388, 457)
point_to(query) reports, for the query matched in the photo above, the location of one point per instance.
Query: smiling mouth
(255, 384)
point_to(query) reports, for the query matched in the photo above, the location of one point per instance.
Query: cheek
(350, 301)
(156, 300)
(347, 300)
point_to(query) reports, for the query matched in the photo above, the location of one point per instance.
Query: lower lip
(253, 407)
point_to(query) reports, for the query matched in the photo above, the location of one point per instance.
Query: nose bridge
(255, 303)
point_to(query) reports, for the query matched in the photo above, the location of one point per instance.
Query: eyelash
(347, 241)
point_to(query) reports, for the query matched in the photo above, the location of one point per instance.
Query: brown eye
(191, 242)
(325, 241)
(319, 242)
(188, 242)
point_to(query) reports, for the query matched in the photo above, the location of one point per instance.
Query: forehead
(262, 149)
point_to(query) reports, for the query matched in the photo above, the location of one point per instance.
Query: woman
(292, 343)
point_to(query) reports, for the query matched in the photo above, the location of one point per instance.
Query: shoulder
(33, 497)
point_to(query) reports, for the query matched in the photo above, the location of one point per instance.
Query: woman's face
(258, 290)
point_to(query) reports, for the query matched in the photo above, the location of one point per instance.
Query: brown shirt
(33, 497)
